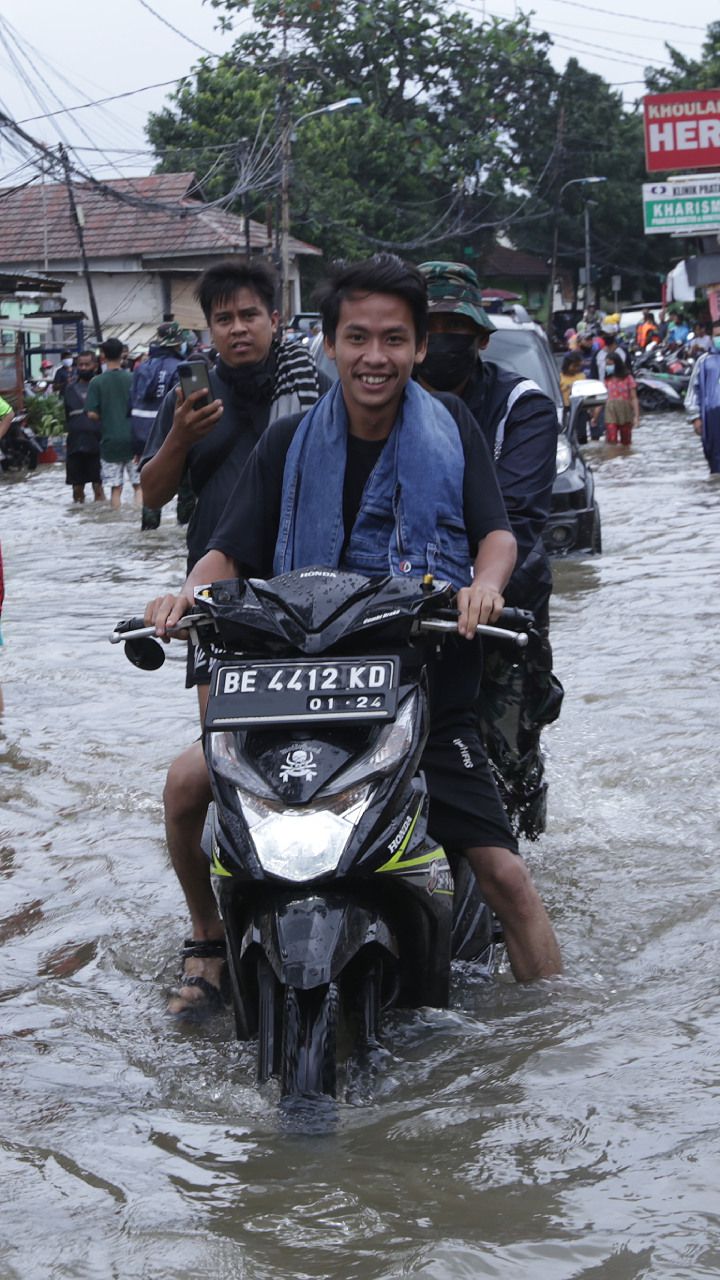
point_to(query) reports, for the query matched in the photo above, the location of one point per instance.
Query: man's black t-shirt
(465, 809)
(215, 462)
(248, 528)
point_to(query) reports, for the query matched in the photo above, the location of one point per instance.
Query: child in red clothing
(622, 411)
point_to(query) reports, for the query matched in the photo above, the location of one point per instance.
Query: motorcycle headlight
(392, 743)
(563, 456)
(227, 761)
(299, 844)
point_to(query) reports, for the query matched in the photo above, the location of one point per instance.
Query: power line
(9, 38)
(538, 24)
(257, 169)
(557, 36)
(99, 102)
(629, 62)
(129, 93)
(177, 30)
(633, 17)
(639, 60)
(11, 191)
(33, 56)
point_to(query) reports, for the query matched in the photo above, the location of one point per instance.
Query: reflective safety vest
(151, 382)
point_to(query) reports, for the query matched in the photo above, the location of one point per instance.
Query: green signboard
(686, 206)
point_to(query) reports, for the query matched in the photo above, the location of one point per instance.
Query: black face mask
(84, 375)
(450, 360)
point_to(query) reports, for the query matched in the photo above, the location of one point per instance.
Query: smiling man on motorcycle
(379, 477)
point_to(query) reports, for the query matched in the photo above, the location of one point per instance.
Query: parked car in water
(574, 524)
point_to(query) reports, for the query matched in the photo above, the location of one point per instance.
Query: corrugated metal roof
(37, 220)
(12, 284)
(137, 337)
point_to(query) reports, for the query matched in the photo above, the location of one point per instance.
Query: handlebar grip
(516, 619)
(130, 624)
(448, 626)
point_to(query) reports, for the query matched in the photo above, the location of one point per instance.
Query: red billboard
(682, 130)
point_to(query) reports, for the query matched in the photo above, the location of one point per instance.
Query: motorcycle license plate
(244, 694)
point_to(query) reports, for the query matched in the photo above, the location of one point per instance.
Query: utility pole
(588, 294)
(45, 224)
(81, 243)
(285, 224)
(285, 160)
(288, 128)
(556, 227)
(240, 158)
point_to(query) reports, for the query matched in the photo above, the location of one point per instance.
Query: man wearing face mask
(702, 401)
(82, 463)
(64, 373)
(520, 425)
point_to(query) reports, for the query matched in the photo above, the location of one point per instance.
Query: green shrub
(46, 415)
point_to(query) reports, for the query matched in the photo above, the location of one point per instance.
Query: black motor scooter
(19, 447)
(337, 901)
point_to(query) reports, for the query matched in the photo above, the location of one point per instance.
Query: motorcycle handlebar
(514, 630)
(446, 625)
(135, 629)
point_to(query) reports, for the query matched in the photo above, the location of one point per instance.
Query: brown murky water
(566, 1130)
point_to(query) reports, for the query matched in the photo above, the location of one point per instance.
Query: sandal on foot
(215, 998)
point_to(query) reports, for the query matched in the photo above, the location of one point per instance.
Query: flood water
(563, 1130)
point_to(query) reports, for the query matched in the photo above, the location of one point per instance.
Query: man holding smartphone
(207, 436)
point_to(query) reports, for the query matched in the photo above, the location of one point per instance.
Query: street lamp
(287, 141)
(553, 264)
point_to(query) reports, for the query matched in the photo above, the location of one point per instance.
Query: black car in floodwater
(574, 524)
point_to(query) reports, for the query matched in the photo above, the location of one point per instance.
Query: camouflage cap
(453, 287)
(169, 334)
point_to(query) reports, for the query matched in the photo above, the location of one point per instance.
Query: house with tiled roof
(146, 238)
(512, 269)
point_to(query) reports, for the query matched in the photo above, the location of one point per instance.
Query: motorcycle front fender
(310, 941)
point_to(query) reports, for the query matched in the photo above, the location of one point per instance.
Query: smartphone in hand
(194, 377)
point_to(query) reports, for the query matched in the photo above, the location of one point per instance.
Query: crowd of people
(600, 347)
(281, 467)
(285, 468)
(110, 401)
(405, 346)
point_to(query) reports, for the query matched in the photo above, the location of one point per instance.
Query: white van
(631, 317)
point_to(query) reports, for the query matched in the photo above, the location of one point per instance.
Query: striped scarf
(295, 374)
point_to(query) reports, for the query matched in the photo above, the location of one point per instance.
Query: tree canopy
(688, 73)
(465, 130)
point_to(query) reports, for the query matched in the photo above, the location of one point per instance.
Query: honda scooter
(336, 899)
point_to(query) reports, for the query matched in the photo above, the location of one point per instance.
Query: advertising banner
(682, 130)
(685, 206)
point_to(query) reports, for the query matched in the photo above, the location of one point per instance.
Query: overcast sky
(88, 49)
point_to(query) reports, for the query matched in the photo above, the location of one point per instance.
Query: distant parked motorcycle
(662, 377)
(19, 447)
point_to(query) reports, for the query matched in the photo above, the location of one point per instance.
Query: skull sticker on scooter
(299, 764)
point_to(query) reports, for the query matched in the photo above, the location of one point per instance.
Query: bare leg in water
(187, 796)
(507, 887)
